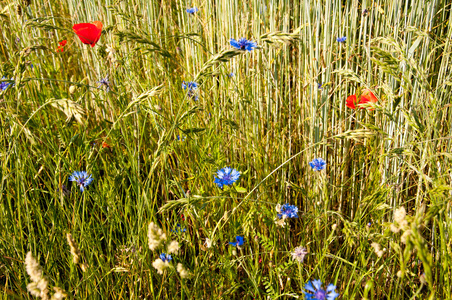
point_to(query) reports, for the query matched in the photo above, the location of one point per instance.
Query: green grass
(268, 121)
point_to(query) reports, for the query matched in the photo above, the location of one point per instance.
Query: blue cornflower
(226, 176)
(231, 75)
(165, 257)
(320, 87)
(82, 179)
(239, 241)
(318, 292)
(192, 10)
(318, 164)
(191, 86)
(341, 39)
(104, 82)
(288, 211)
(243, 44)
(4, 85)
(179, 229)
(181, 139)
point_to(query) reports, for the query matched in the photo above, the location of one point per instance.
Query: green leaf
(240, 189)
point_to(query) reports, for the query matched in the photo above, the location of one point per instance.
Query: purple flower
(318, 293)
(82, 179)
(4, 85)
(243, 44)
(192, 10)
(299, 253)
(288, 211)
(104, 82)
(191, 86)
(239, 241)
(341, 39)
(165, 257)
(226, 176)
(318, 164)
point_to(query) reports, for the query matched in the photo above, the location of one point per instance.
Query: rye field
(257, 149)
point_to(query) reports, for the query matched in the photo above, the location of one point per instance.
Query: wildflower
(88, 33)
(173, 247)
(399, 215)
(341, 39)
(299, 253)
(318, 164)
(155, 236)
(165, 257)
(38, 286)
(399, 221)
(104, 82)
(319, 86)
(179, 138)
(160, 265)
(288, 211)
(191, 86)
(59, 294)
(243, 44)
(365, 12)
(61, 45)
(239, 241)
(366, 96)
(192, 10)
(377, 249)
(226, 176)
(33, 268)
(82, 178)
(179, 229)
(231, 74)
(182, 271)
(318, 293)
(111, 54)
(4, 85)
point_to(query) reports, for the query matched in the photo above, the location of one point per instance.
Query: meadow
(225, 149)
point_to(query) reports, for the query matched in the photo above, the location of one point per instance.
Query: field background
(268, 121)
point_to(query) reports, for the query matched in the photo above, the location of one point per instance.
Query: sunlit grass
(153, 148)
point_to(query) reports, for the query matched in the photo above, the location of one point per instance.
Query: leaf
(193, 130)
(240, 189)
(414, 46)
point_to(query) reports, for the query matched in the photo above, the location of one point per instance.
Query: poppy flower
(88, 33)
(61, 45)
(366, 96)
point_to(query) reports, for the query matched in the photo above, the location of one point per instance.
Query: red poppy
(105, 145)
(88, 33)
(61, 45)
(366, 96)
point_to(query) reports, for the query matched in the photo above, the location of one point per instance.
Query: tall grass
(268, 121)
